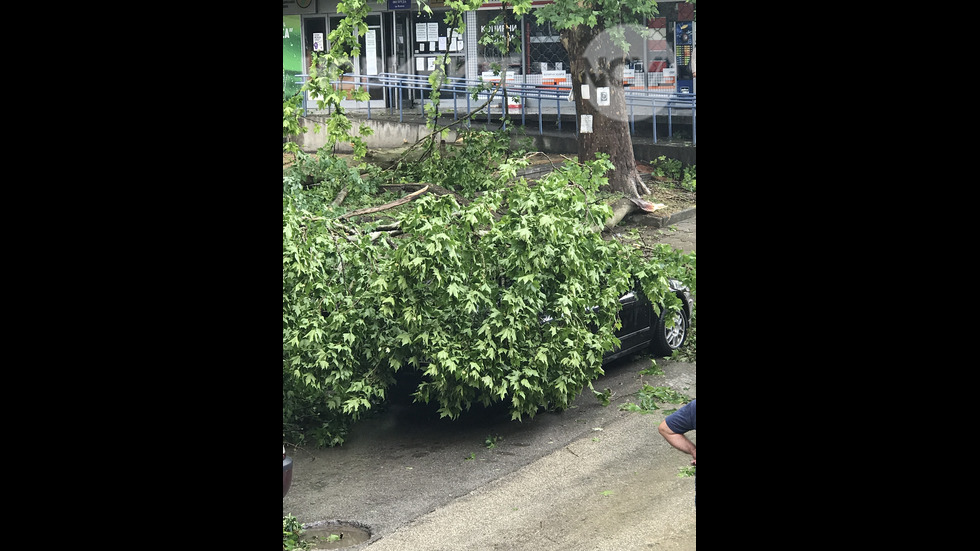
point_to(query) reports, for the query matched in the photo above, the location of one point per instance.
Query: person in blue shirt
(674, 427)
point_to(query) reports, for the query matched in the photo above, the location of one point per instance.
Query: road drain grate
(335, 534)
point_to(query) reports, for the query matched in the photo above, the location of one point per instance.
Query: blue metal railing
(541, 99)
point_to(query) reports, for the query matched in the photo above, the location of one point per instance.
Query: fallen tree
(458, 300)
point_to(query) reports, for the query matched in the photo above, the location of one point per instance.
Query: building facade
(400, 40)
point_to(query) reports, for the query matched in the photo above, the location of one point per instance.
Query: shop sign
(399, 4)
(295, 7)
(292, 56)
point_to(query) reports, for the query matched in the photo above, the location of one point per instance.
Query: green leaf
(453, 290)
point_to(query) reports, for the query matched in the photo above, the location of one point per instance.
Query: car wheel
(667, 339)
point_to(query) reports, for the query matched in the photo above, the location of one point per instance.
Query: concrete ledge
(649, 151)
(386, 134)
(568, 144)
(644, 219)
(392, 134)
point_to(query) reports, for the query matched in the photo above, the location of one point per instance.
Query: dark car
(287, 471)
(643, 328)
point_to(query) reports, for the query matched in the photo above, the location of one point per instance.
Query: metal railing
(551, 101)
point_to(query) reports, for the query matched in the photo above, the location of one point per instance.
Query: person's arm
(679, 441)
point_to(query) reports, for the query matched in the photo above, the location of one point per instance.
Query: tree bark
(595, 63)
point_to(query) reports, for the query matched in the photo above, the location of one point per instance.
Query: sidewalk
(590, 478)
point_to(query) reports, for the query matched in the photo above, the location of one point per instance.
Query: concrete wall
(387, 134)
(393, 134)
(643, 151)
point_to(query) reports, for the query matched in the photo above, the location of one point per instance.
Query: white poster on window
(420, 33)
(317, 42)
(371, 45)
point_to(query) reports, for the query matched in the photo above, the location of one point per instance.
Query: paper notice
(420, 33)
(585, 91)
(371, 45)
(442, 43)
(602, 96)
(420, 64)
(586, 126)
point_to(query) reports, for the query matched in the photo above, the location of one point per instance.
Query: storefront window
(498, 37)
(658, 54)
(544, 49)
(434, 39)
(635, 69)
(315, 29)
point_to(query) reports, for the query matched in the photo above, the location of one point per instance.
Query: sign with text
(602, 95)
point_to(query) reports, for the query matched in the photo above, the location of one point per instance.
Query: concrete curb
(643, 219)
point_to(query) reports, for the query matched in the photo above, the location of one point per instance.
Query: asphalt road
(590, 478)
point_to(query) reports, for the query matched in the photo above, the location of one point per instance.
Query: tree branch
(340, 197)
(386, 206)
(468, 116)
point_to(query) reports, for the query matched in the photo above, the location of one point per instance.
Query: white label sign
(585, 91)
(489, 76)
(586, 126)
(602, 96)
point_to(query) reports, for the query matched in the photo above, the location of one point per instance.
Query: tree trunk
(598, 63)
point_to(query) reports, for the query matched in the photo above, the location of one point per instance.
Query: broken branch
(386, 206)
(340, 197)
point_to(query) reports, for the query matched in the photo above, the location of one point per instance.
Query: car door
(643, 320)
(632, 331)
